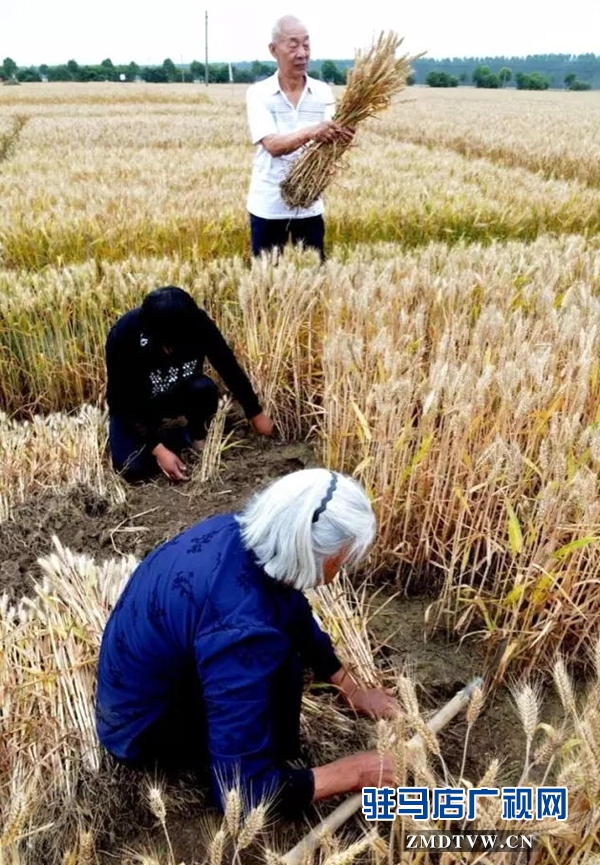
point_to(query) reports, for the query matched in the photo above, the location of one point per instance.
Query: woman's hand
(170, 464)
(376, 702)
(262, 424)
(350, 774)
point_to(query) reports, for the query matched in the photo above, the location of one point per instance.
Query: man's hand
(329, 131)
(262, 424)
(325, 132)
(170, 464)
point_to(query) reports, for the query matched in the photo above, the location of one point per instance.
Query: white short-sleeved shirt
(271, 113)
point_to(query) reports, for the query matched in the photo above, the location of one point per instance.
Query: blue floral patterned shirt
(201, 599)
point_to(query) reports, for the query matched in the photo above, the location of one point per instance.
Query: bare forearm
(351, 774)
(282, 145)
(342, 776)
(345, 681)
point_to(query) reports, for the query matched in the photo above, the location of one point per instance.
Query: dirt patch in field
(442, 666)
(86, 522)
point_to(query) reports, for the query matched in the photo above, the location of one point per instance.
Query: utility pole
(206, 47)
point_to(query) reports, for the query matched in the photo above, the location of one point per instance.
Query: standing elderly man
(286, 112)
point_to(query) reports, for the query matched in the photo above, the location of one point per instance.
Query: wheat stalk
(377, 75)
(214, 447)
(217, 847)
(473, 711)
(233, 812)
(253, 824)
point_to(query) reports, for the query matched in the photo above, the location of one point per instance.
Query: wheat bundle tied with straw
(376, 76)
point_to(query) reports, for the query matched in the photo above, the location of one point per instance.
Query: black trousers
(268, 234)
(195, 398)
(176, 743)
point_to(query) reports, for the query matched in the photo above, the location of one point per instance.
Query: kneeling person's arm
(225, 363)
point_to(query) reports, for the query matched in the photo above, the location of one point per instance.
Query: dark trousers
(195, 399)
(268, 234)
(177, 742)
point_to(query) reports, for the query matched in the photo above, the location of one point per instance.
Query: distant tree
(108, 70)
(260, 70)
(315, 72)
(91, 73)
(28, 75)
(331, 74)
(171, 71)
(580, 85)
(218, 73)
(484, 77)
(242, 76)
(441, 79)
(9, 68)
(59, 73)
(532, 81)
(537, 81)
(197, 70)
(522, 81)
(504, 75)
(411, 79)
(73, 68)
(570, 78)
(43, 68)
(132, 71)
(154, 74)
(463, 77)
(479, 74)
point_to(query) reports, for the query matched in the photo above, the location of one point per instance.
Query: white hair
(281, 24)
(305, 518)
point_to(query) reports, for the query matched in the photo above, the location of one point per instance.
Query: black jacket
(139, 372)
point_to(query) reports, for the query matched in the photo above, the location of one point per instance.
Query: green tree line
(485, 78)
(574, 72)
(534, 72)
(167, 72)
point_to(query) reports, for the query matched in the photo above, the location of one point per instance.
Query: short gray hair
(282, 23)
(304, 518)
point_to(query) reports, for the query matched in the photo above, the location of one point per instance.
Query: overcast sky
(54, 31)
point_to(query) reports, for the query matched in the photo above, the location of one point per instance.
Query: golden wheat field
(447, 355)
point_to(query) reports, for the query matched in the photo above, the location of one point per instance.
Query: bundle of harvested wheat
(376, 76)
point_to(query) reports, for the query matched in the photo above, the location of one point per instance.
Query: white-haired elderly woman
(202, 659)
